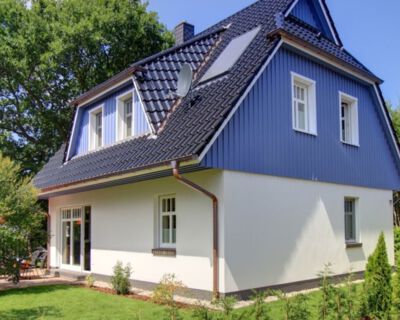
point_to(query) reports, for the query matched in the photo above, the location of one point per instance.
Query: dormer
(315, 14)
(114, 116)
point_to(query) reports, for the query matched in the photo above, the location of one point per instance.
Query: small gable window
(125, 116)
(348, 119)
(96, 128)
(304, 104)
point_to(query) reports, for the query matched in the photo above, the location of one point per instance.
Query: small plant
(396, 287)
(350, 299)
(295, 308)
(172, 313)
(90, 281)
(330, 299)
(227, 305)
(165, 293)
(259, 309)
(120, 279)
(166, 290)
(201, 312)
(377, 286)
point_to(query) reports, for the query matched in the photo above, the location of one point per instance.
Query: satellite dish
(185, 78)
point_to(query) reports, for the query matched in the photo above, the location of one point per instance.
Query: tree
(21, 226)
(53, 50)
(378, 286)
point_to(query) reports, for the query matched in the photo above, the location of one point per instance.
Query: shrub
(201, 312)
(166, 290)
(396, 231)
(295, 308)
(172, 313)
(259, 309)
(90, 281)
(227, 305)
(396, 287)
(120, 279)
(377, 286)
(350, 299)
(329, 299)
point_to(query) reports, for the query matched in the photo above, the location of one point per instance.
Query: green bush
(295, 308)
(377, 300)
(120, 279)
(259, 309)
(90, 281)
(396, 232)
(396, 287)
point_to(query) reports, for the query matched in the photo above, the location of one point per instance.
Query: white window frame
(353, 105)
(92, 123)
(356, 221)
(120, 124)
(310, 105)
(160, 213)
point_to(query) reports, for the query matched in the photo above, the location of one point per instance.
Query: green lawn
(70, 302)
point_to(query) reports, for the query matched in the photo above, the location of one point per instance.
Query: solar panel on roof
(230, 55)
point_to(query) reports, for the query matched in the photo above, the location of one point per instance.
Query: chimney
(183, 32)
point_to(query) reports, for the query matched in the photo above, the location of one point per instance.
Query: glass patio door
(71, 238)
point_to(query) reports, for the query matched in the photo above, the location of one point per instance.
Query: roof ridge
(177, 47)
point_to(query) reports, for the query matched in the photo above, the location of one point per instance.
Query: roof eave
(143, 170)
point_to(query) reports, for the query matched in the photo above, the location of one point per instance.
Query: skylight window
(230, 55)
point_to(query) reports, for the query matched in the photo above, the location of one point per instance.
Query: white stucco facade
(272, 230)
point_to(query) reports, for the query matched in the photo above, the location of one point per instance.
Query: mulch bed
(135, 296)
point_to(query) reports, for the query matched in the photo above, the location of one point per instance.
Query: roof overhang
(155, 172)
(320, 54)
(106, 86)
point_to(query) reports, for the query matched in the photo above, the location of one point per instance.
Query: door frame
(71, 267)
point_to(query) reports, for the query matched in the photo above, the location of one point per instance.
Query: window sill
(164, 252)
(350, 245)
(305, 132)
(350, 144)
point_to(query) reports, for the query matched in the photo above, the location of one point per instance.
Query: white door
(71, 239)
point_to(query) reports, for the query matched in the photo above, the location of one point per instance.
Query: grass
(72, 302)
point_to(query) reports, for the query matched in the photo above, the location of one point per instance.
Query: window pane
(301, 115)
(174, 229)
(66, 242)
(98, 129)
(349, 220)
(128, 117)
(77, 242)
(165, 229)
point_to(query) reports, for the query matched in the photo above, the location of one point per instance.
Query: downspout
(190, 184)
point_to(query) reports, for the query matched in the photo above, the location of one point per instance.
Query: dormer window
(96, 128)
(348, 119)
(125, 116)
(128, 118)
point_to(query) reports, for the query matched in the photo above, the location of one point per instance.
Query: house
(280, 159)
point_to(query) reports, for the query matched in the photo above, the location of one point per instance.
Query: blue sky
(369, 29)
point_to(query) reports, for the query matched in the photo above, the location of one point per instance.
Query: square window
(304, 104)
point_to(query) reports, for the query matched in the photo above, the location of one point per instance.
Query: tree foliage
(378, 283)
(21, 226)
(53, 50)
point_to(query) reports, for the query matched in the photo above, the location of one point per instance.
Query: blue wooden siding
(140, 123)
(310, 12)
(80, 143)
(259, 138)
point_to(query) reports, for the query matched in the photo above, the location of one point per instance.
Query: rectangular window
(350, 220)
(167, 218)
(96, 128)
(304, 104)
(348, 119)
(128, 118)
